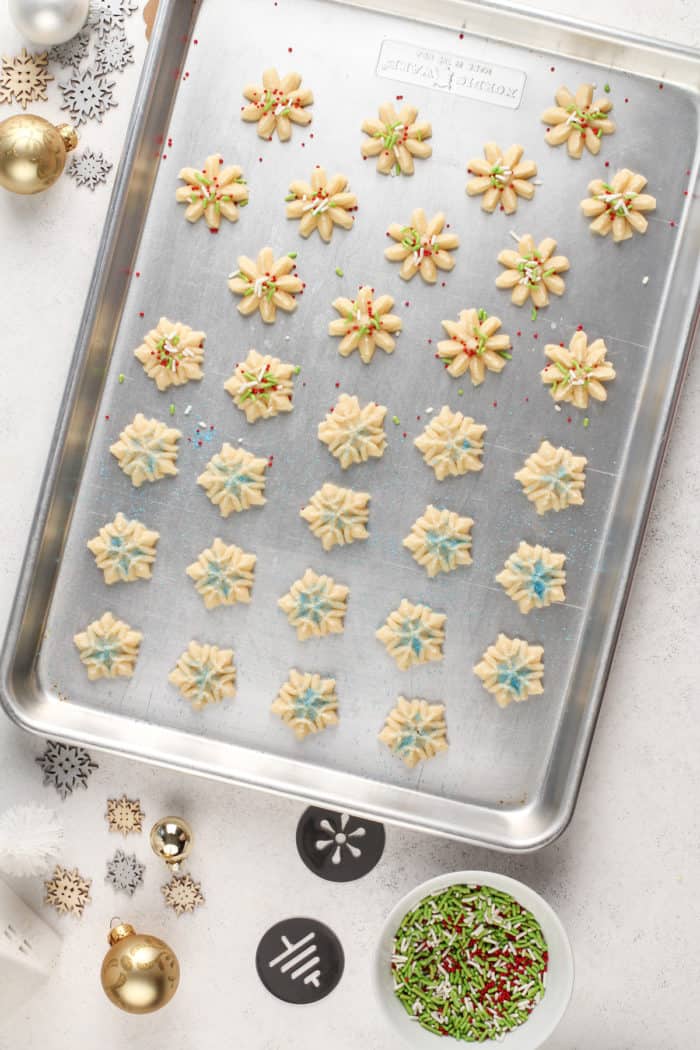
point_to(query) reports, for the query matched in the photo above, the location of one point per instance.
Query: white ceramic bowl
(560, 969)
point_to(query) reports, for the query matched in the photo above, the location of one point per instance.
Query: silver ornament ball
(49, 22)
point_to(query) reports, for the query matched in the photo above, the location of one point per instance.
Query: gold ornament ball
(140, 973)
(171, 840)
(33, 152)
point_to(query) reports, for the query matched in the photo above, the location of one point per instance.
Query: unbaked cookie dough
(204, 674)
(474, 345)
(577, 372)
(618, 205)
(578, 121)
(534, 577)
(108, 648)
(146, 450)
(337, 515)
(415, 730)
(422, 247)
(413, 634)
(511, 670)
(124, 550)
(440, 540)
(307, 703)
(323, 204)
(352, 433)
(223, 574)
(214, 192)
(277, 104)
(261, 386)
(172, 354)
(452, 444)
(395, 139)
(315, 605)
(553, 478)
(501, 178)
(532, 271)
(234, 480)
(365, 324)
(265, 285)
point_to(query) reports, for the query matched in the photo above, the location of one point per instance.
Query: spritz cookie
(452, 444)
(337, 515)
(578, 121)
(214, 192)
(261, 386)
(315, 605)
(321, 204)
(204, 674)
(474, 345)
(276, 104)
(422, 247)
(440, 540)
(534, 577)
(365, 324)
(413, 634)
(501, 178)
(223, 574)
(265, 285)
(553, 478)
(354, 433)
(395, 139)
(415, 730)
(146, 450)
(108, 648)
(511, 670)
(577, 372)
(307, 703)
(124, 550)
(618, 205)
(532, 271)
(172, 354)
(234, 480)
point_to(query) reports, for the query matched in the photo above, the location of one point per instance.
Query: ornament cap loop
(119, 932)
(69, 136)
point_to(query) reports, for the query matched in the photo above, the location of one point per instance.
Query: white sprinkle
(240, 441)
(537, 182)
(645, 280)
(514, 235)
(553, 324)
(236, 273)
(201, 423)
(429, 410)
(188, 410)
(557, 408)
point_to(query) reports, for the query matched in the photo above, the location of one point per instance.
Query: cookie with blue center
(413, 634)
(452, 444)
(415, 730)
(440, 540)
(223, 574)
(511, 670)
(315, 605)
(307, 703)
(124, 550)
(534, 577)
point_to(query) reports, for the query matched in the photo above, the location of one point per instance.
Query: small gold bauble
(171, 840)
(139, 973)
(33, 152)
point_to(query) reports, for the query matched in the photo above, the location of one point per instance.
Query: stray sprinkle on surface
(553, 324)
(121, 377)
(460, 391)
(645, 280)
(533, 314)
(296, 370)
(557, 408)
(188, 410)
(395, 420)
(606, 89)
(292, 255)
(171, 410)
(339, 272)
(429, 410)
(586, 421)
(202, 424)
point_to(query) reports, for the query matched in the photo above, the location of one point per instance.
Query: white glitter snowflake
(89, 168)
(73, 51)
(125, 872)
(87, 96)
(113, 52)
(107, 14)
(65, 767)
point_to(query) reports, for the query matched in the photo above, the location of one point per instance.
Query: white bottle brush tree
(30, 840)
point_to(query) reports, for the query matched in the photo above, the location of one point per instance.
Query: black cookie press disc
(300, 960)
(337, 846)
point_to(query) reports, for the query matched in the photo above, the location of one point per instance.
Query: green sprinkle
(121, 377)
(291, 197)
(606, 89)
(296, 370)
(339, 272)
(482, 315)
(506, 355)
(242, 204)
(395, 420)
(586, 421)
(460, 391)
(171, 410)
(533, 314)
(292, 255)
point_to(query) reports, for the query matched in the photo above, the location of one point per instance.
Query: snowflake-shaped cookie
(265, 285)
(204, 674)
(307, 703)
(440, 540)
(261, 386)
(277, 104)
(87, 96)
(474, 345)
(315, 605)
(415, 730)
(24, 78)
(73, 51)
(323, 204)
(88, 168)
(413, 634)
(553, 478)
(108, 648)
(577, 372)
(337, 515)
(618, 205)
(106, 15)
(67, 891)
(352, 433)
(452, 444)
(124, 550)
(534, 577)
(532, 271)
(511, 670)
(171, 353)
(501, 178)
(578, 121)
(146, 450)
(365, 324)
(422, 247)
(125, 815)
(212, 192)
(125, 872)
(182, 894)
(65, 767)
(113, 52)
(395, 139)
(223, 574)
(234, 480)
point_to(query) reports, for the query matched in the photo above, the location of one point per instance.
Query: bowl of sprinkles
(474, 957)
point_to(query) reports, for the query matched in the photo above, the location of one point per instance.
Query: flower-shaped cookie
(422, 247)
(501, 178)
(204, 674)
(146, 450)
(395, 139)
(532, 271)
(108, 648)
(577, 372)
(223, 574)
(452, 444)
(172, 354)
(265, 285)
(365, 324)
(261, 386)
(337, 515)
(277, 104)
(577, 120)
(315, 605)
(413, 634)
(618, 205)
(474, 345)
(234, 480)
(352, 433)
(124, 550)
(440, 540)
(212, 192)
(415, 730)
(322, 204)
(511, 670)
(553, 478)
(307, 703)
(534, 577)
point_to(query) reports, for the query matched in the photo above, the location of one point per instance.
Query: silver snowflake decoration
(87, 96)
(88, 168)
(125, 872)
(113, 51)
(66, 767)
(73, 51)
(106, 14)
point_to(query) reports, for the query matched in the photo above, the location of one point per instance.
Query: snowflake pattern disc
(182, 894)
(73, 51)
(88, 168)
(113, 52)
(24, 77)
(87, 96)
(65, 767)
(106, 15)
(125, 872)
(124, 815)
(67, 891)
